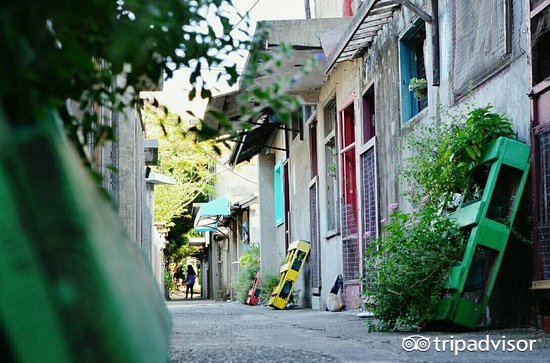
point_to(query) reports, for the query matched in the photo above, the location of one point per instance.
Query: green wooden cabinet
(503, 171)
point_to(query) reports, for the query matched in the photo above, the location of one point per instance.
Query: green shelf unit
(469, 284)
(73, 287)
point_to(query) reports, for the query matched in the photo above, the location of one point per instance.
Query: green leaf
(192, 94)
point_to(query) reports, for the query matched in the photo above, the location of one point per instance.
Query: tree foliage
(102, 53)
(190, 164)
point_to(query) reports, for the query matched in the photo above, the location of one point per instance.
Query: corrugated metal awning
(368, 21)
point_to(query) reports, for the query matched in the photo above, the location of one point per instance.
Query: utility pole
(308, 10)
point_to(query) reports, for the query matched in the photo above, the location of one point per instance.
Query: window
(540, 45)
(350, 240)
(279, 196)
(331, 166)
(313, 149)
(483, 37)
(299, 119)
(315, 255)
(348, 172)
(411, 58)
(296, 123)
(307, 111)
(369, 129)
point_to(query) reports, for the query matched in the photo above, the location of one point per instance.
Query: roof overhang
(369, 20)
(251, 142)
(304, 37)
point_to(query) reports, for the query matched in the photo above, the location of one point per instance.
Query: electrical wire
(245, 14)
(218, 162)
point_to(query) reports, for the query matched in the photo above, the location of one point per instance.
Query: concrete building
(330, 175)
(230, 223)
(539, 74)
(126, 177)
(385, 46)
(283, 151)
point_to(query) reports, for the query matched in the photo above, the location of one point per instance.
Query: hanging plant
(419, 88)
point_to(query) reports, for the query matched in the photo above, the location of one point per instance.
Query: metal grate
(368, 198)
(349, 221)
(350, 251)
(314, 228)
(543, 225)
(479, 36)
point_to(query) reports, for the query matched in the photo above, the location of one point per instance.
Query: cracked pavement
(209, 331)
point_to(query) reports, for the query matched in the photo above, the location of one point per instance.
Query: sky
(175, 91)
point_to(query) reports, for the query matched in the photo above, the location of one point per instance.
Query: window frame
(278, 192)
(344, 174)
(409, 105)
(331, 153)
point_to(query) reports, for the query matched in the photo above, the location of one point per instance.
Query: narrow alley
(211, 331)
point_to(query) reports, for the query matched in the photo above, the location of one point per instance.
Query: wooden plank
(543, 5)
(361, 41)
(384, 9)
(372, 23)
(541, 86)
(370, 31)
(540, 285)
(383, 15)
(383, 4)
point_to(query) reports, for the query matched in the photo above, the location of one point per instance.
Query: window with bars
(315, 253)
(412, 65)
(368, 199)
(331, 167)
(543, 217)
(350, 241)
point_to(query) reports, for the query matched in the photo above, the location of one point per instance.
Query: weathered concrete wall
(269, 256)
(343, 84)
(238, 183)
(506, 90)
(328, 8)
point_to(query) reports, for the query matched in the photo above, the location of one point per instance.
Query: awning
(370, 18)
(211, 214)
(251, 142)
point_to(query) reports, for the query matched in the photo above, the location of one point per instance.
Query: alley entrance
(210, 331)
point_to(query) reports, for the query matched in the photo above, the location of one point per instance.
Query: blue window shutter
(406, 97)
(278, 190)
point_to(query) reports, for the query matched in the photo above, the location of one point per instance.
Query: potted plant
(419, 88)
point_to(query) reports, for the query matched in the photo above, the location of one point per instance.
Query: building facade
(330, 175)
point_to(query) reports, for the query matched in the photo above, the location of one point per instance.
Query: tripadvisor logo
(420, 343)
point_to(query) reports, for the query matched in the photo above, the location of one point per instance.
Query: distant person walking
(190, 281)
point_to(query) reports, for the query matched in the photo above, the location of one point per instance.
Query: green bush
(268, 282)
(249, 267)
(408, 265)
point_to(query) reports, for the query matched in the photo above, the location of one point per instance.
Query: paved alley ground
(208, 331)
